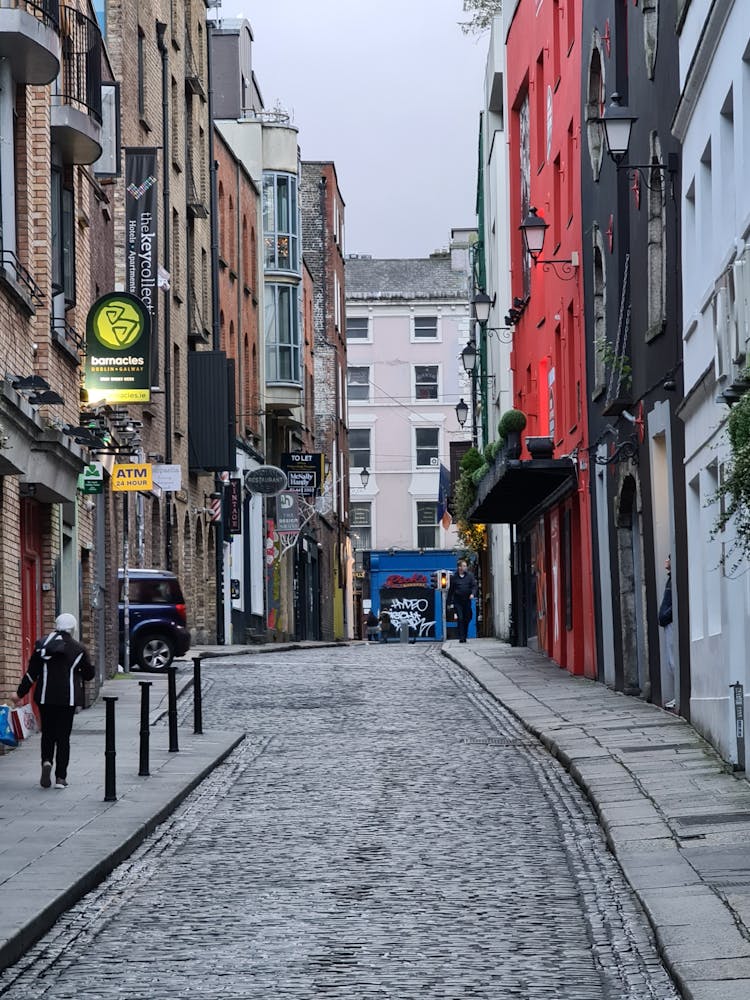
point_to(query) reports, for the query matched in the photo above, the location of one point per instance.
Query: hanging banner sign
(304, 471)
(141, 234)
(168, 477)
(118, 351)
(131, 478)
(233, 494)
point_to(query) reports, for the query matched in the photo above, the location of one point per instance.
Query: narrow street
(385, 830)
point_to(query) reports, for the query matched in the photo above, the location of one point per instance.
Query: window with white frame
(425, 382)
(427, 527)
(427, 442)
(360, 525)
(357, 328)
(425, 327)
(282, 333)
(358, 383)
(359, 447)
(280, 222)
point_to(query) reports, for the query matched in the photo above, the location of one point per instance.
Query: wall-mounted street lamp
(534, 229)
(481, 305)
(617, 124)
(469, 357)
(364, 476)
(462, 412)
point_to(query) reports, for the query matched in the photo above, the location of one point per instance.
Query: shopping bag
(7, 736)
(25, 721)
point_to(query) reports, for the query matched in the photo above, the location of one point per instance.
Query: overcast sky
(390, 90)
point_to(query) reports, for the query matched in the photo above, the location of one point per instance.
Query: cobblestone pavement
(386, 830)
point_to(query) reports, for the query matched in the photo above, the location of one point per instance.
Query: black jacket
(59, 665)
(665, 608)
(461, 587)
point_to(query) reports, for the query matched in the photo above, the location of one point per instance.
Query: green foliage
(479, 474)
(619, 364)
(734, 489)
(511, 420)
(471, 460)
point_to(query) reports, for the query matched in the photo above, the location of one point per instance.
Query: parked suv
(158, 630)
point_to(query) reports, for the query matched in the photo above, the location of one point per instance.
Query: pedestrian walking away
(665, 621)
(462, 589)
(58, 666)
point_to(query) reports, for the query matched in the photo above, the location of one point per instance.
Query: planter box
(540, 447)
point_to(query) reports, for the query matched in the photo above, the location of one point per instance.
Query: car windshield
(157, 591)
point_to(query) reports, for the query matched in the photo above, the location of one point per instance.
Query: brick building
(56, 257)
(323, 248)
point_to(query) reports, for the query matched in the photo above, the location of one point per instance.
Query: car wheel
(155, 652)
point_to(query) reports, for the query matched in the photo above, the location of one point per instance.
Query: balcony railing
(81, 73)
(46, 11)
(22, 276)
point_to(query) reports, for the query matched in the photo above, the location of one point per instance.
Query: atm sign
(131, 477)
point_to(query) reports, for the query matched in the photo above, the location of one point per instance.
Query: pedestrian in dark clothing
(462, 588)
(58, 665)
(665, 621)
(373, 626)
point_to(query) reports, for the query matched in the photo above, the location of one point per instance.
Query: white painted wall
(714, 117)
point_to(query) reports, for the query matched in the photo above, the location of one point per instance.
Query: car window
(155, 592)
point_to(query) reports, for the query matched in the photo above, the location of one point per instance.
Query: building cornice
(700, 65)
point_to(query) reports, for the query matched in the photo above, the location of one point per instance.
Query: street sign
(287, 510)
(92, 478)
(131, 478)
(266, 479)
(168, 477)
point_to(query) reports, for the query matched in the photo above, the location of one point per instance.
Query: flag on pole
(444, 492)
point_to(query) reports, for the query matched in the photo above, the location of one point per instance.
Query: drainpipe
(215, 332)
(161, 28)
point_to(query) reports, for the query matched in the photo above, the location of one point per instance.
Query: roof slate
(406, 279)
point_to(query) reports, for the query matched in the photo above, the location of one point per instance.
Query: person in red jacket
(58, 666)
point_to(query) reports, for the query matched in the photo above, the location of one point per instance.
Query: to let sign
(304, 471)
(131, 477)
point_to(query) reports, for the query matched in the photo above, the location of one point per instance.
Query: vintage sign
(233, 495)
(131, 477)
(266, 479)
(118, 359)
(305, 471)
(141, 232)
(287, 513)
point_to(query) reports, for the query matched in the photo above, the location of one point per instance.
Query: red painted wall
(548, 361)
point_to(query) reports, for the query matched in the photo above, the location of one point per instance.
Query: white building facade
(713, 124)
(407, 321)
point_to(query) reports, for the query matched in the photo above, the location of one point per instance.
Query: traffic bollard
(172, 708)
(110, 752)
(143, 770)
(197, 697)
(739, 722)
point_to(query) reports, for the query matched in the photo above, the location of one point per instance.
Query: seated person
(386, 629)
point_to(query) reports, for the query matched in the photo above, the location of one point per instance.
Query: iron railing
(46, 11)
(67, 333)
(81, 72)
(22, 276)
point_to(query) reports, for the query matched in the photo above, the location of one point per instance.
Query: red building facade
(543, 47)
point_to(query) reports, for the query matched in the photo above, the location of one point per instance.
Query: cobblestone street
(385, 830)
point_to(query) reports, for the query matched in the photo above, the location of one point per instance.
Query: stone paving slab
(57, 845)
(645, 770)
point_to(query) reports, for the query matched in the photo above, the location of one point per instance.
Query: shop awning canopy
(514, 490)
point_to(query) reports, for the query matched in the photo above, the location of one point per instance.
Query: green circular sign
(118, 322)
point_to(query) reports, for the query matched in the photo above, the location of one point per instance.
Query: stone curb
(688, 951)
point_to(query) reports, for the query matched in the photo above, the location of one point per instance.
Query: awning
(514, 490)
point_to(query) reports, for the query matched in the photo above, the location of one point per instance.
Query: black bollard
(197, 697)
(110, 752)
(143, 770)
(172, 708)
